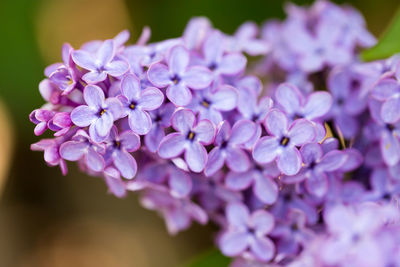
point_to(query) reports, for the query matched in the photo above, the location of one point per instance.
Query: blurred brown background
(47, 220)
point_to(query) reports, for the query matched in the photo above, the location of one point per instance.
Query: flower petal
(289, 162)
(390, 148)
(276, 123)
(385, 88)
(172, 145)
(265, 189)
(225, 98)
(153, 138)
(178, 59)
(84, 60)
(237, 160)
(263, 248)
(317, 105)
(237, 214)
(239, 181)
(151, 98)
(262, 221)
(332, 161)
(94, 77)
(129, 141)
(159, 75)
(83, 116)
(125, 163)
(73, 150)
(196, 157)
(130, 87)
(390, 111)
(180, 183)
(215, 161)
(232, 64)
(105, 53)
(103, 124)
(197, 77)
(233, 243)
(290, 98)
(311, 152)
(94, 96)
(183, 120)
(179, 94)
(205, 132)
(301, 131)
(266, 149)
(242, 131)
(117, 68)
(139, 121)
(94, 160)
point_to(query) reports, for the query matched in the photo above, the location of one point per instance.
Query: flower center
(175, 79)
(284, 141)
(390, 127)
(355, 84)
(102, 111)
(212, 66)
(205, 103)
(191, 135)
(133, 105)
(117, 144)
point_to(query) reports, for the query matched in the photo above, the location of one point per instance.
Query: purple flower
(65, 76)
(114, 182)
(101, 64)
(191, 137)
(261, 178)
(178, 212)
(117, 152)
(178, 76)
(247, 231)
(60, 123)
(41, 117)
(219, 62)
(210, 103)
(161, 118)
(315, 167)
(51, 148)
(281, 145)
(228, 147)
(99, 113)
(315, 106)
(81, 146)
(136, 102)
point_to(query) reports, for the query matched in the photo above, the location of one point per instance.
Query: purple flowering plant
(292, 148)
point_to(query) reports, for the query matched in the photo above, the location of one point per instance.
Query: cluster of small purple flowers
(301, 168)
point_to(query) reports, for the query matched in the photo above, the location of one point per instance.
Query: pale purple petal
(117, 68)
(301, 131)
(390, 111)
(266, 149)
(180, 183)
(94, 160)
(139, 121)
(385, 89)
(239, 181)
(197, 77)
(153, 138)
(172, 145)
(94, 135)
(94, 77)
(232, 64)
(84, 60)
(237, 214)
(114, 107)
(179, 94)
(183, 120)
(83, 116)
(311, 152)
(213, 47)
(242, 131)
(130, 87)
(223, 133)
(72, 150)
(178, 59)
(262, 248)
(103, 124)
(159, 75)
(233, 243)
(114, 182)
(205, 132)
(105, 53)
(262, 222)
(125, 163)
(94, 96)
(215, 161)
(129, 141)
(333, 160)
(225, 98)
(151, 98)
(289, 97)
(317, 184)
(276, 123)
(289, 161)
(265, 189)
(237, 160)
(317, 105)
(390, 148)
(196, 157)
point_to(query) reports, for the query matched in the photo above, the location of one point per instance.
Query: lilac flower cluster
(302, 169)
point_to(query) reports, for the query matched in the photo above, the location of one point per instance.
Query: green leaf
(388, 44)
(209, 258)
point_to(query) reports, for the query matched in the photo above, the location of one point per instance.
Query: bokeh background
(47, 220)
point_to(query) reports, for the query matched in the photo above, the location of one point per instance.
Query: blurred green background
(50, 220)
